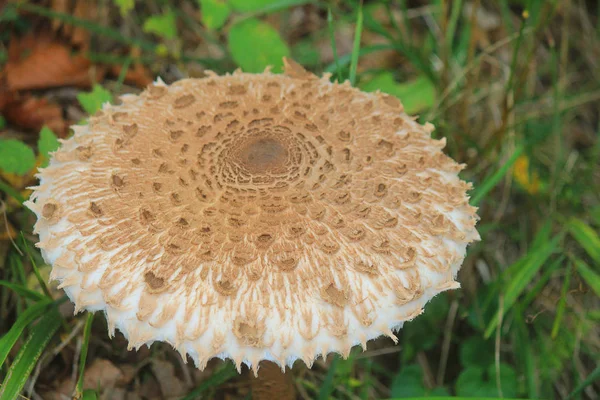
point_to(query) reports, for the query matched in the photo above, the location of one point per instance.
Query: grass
(517, 93)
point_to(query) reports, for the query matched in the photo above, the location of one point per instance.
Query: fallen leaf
(170, 384)
(77, 35)
(37, 62)
(32, 113)
(6, 234)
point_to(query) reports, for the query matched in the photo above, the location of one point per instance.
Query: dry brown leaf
(37, 62)
(101, 374)
(33, 113)
(169, 383)
(86, 10)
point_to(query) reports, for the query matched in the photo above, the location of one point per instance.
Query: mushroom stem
(272, 383)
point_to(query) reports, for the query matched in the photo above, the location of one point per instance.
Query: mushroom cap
(254, 216)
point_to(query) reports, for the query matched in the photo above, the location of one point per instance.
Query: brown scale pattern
(226, 189)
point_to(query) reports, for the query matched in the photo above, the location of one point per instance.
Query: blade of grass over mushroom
(356, 45)
(225, 373)
(589, 276)
(586, 237)
(83, 355)
(491, 181)
(29, 315)
(28, 355)
(529, 265)
(331, 28)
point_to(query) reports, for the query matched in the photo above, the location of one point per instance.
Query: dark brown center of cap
(264, 154)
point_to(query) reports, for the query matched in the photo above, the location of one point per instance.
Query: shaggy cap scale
(254, 217)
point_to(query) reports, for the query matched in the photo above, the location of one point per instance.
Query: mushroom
(254, 217)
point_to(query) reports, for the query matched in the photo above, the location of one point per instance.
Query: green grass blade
(562, 303)
(36, 270)
(453, 22)
(224, 374)
(83, 355)
(591, 378)
(524, 353)
(327, 386)
(22, 290)
(531, 264)
(586, 237)
(28, 355)
(356, 46)
(9, 190)
(589, 276)
(490, 182)
(29, 315)
(331, 28)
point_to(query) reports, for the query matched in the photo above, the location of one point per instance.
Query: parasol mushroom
(254, 217)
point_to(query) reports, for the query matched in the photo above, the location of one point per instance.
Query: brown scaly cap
(254, 216)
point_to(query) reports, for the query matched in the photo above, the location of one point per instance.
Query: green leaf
(125, 6)
(251, 5)
(416, 95)
(508, 379)
(214, 13)
(29, 315)
(93, 101)
(16, 157)
(47, 143)
(89, 394)
(163, 25)
(586, 237)
(476, 352)
(480, 382)
(472, 382)
(589, 276)
(28, 355)
(2, 122)
(408, 383)
(254, 45)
